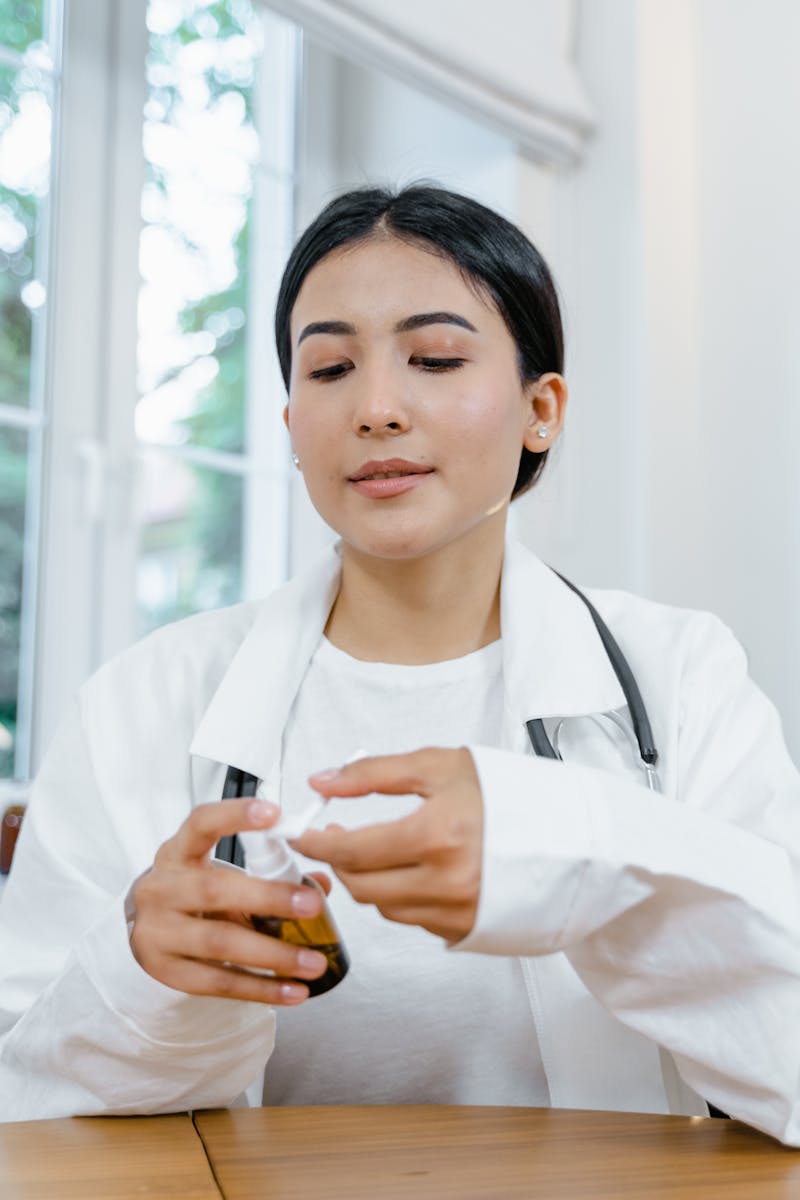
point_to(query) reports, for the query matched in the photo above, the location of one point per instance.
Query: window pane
(25, 123)
(18, 219)
(21, 22)
(201, 149)
(13, 480)
(190, 555)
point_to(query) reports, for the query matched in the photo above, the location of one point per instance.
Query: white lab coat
(659, 933)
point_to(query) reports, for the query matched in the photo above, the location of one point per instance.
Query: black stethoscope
(641, 737)
(240, 783)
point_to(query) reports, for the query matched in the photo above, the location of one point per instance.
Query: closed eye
(334, 372)
(438, 364)
(433, 365)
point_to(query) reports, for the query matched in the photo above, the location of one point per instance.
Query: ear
(546, 403)
(286, 415)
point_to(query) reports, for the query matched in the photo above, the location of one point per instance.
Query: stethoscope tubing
(643, 733)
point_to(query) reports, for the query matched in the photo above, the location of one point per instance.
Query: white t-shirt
(412, 1023)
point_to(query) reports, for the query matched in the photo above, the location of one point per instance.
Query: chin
(401, 545)
(398, 549)
(405, 536)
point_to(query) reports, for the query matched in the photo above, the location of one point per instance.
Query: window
(29, 85)
(217, 208)
(144, 468)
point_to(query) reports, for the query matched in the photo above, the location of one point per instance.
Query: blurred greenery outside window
(218, 143)
(29, 83)
(202, 152)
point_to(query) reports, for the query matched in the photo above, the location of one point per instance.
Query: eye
(328, 373)
(437, 364)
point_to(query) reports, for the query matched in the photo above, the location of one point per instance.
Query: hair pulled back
(492, 254)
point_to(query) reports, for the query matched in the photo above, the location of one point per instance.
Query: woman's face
(400, 369)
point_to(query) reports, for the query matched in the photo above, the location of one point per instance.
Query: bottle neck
(275, 861)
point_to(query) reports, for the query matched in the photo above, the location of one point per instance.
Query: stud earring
(296, 461)
(544, 431)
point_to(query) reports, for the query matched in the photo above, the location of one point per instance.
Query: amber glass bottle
(317, 933)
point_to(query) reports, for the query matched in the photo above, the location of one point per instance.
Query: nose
(380, 407)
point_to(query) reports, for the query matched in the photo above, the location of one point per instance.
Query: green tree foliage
(21, 22)
(213, 528)
(207, 536)
(13, 467)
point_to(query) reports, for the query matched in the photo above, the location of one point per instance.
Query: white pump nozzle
(272, 859)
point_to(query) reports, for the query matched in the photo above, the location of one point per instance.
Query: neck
(424, 610)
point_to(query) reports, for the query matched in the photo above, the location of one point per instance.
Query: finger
(392, 774)
(394, 888)
(372, 848)
(230, 983)
(412, 890)
(223, 942)
(323, 880)
(212, 890)
(452, 925)
(207, 823)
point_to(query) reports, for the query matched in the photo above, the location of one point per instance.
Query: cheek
(488, 417)
(314, 439)
(305, 427)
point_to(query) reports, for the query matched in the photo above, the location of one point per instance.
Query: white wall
(748, 205)
(586, 222)
(677, 253)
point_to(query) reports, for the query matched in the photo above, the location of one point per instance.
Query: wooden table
(104, 1158)
(390, 1153)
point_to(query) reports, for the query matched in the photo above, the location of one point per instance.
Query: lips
(389, 468)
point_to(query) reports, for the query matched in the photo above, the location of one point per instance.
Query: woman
(523, 931)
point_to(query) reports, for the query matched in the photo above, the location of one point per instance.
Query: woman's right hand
(192, 928)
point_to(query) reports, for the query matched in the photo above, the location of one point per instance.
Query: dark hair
(489, 251)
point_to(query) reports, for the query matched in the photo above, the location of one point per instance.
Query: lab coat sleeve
(83, 1028)
(679, 912)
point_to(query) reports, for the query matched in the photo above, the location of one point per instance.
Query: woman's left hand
(424, 869)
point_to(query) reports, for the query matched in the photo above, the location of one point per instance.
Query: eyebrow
(417, 321)
(433, 318)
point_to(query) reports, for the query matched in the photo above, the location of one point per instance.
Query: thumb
(392, 774)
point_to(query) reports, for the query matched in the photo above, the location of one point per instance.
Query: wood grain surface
(390, 1153)
(104, 1158)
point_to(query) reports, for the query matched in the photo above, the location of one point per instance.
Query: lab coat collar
(554, 664)
(243, 725)
(553, 661)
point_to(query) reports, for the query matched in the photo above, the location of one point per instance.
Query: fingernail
(293, 993)
(326, 776)
(261, 812)
(305, 903)
(310, 960)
